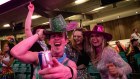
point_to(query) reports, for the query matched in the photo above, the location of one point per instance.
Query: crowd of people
(6, 60)
(70, 56)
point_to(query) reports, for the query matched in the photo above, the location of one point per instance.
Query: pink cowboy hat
(99, 29)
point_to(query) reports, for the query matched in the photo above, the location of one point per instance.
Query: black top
(76, 56)
(36, 47)
(83, 59)
(136, 50)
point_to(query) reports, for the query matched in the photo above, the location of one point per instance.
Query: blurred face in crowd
(6, 47)
(57, 42)
(42, 37)
(135, 30)
(78, 37)
(96, 39)
(135, 43)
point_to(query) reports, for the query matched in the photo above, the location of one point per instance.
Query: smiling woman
(75, 50)
(107, 61)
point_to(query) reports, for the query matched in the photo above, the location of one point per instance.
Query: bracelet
(71, 71)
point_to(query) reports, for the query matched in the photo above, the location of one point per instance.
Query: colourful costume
(109, 55)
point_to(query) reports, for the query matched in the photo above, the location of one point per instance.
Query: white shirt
(6, 59)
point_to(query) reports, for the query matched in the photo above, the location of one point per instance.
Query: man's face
(57, 42)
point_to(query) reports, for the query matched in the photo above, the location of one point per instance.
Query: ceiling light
(35, 16)
(102, 20)
(98, 8)
(45, 23)
(6, 25)
(80, 1)
(4, 1)
(127, 0)
(118, 16)
(136, 12)
(74, 17)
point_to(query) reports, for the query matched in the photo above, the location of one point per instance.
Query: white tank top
(7, 59)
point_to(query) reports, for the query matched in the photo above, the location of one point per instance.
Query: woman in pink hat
(105, 58)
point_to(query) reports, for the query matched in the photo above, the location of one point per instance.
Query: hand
(58, 71)
(40, 32)
(112, 69)
(31, 7)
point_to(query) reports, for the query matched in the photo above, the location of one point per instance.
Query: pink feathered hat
(99, 29)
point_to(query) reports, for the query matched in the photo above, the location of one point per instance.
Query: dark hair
(133, 40)
(11, 45)
(134, 29)
(39, 27)
(117, 41)
(49, 35)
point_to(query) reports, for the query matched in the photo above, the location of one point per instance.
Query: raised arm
(20, 51)
(28, 21)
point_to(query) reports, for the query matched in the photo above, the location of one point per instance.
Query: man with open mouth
(61, 66)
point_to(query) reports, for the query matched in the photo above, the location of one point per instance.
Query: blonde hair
(91, 50)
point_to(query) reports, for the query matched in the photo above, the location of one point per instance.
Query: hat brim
(107, 36)
(50, 32)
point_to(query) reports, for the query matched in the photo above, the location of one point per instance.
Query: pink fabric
(99, 29)
(71, 26)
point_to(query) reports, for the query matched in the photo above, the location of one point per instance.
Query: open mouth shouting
(57, 44)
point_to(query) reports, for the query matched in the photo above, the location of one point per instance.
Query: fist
(112, 69)
(31, 7)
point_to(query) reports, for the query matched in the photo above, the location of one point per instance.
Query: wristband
(71, 71)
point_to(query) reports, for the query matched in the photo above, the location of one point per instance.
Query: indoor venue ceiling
(14, 12)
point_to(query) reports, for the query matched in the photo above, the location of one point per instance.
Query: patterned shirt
(109, 55)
